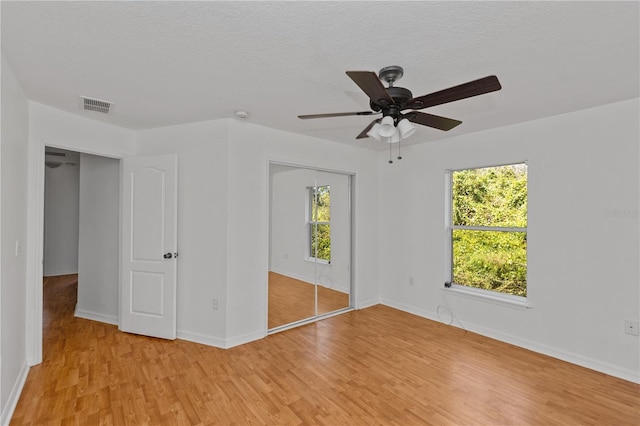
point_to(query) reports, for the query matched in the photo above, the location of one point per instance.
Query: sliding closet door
(310, 244)
(331, 241)
(292, 292)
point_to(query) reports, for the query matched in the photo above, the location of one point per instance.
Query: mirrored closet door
(310, 244)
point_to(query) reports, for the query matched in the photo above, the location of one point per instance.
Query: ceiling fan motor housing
(400, 96)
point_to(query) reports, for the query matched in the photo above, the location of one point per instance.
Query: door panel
(333, 280)
(148, 228)
(147, 291)
(291, 288)
(149, 264)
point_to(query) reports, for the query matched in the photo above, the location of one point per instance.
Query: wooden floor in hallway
(376, 366)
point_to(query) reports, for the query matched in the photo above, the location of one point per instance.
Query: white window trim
(494, 297)
(317, 260)
(490, 228)
(479, 294)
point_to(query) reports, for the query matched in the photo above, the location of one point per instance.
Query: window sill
(511, 301)
(318, 261)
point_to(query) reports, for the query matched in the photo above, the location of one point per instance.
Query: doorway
(309, 245)
(60, 232)
(61, 212)
(81, 228)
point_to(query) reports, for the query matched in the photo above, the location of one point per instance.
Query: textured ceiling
(165, 63)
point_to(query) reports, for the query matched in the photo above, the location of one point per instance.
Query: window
(488, 228)
(320, 223)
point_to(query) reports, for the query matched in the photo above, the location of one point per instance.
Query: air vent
(97, 105)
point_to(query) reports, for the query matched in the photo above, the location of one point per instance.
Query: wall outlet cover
(632, 327)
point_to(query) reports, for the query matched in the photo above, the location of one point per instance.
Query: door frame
(35, 237)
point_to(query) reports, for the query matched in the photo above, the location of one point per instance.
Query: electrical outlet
(631, 327)
(215, 304)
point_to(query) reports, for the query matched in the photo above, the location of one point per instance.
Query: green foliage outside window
(490, 259)
(320, 222)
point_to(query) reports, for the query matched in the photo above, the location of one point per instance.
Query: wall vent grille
(97, 105)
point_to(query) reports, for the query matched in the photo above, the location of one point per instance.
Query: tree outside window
(320, 223)
(489, 228)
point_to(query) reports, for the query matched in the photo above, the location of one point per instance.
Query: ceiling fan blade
(370, 84)
(363, 134)
(435, 121)
(463, 91)
(336, 114)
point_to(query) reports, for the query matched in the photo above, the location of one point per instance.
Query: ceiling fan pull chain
(399, 143)
(390, 154)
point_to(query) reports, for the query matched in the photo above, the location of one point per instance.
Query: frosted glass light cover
(373, 132)
(386, 127)
(406, 128)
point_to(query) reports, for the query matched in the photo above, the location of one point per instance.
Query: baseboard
(14, 396)
(245, 338)
(289, 274)
(217, 342)
(203, 339)
(367, 303)
(409, 309)
(308, 280)
(573, 358)
(59, 273)
(95, 316)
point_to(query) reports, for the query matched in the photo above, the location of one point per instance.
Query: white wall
(61, 186)
(251, 147)
(289, 240)
(61, 129)
(99, 243)
(202, 218)
(223, 184)
(13, 214)
(582, 263)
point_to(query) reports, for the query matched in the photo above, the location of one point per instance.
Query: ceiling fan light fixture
(393, 101)
(386, 128)
(406, 128)
(373, 133)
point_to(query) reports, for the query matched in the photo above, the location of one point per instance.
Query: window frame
(450, 286)
(313, 224)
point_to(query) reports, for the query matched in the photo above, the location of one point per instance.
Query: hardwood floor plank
(377, 366)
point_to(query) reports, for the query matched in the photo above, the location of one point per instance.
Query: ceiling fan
(393, 102)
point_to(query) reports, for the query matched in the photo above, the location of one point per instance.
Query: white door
(149, 246)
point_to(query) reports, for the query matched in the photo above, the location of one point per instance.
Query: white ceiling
(166, 63)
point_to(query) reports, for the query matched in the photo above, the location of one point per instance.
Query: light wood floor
(377, 366)
(293, 300)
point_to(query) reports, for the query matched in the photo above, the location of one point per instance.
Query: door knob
(168, 255)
